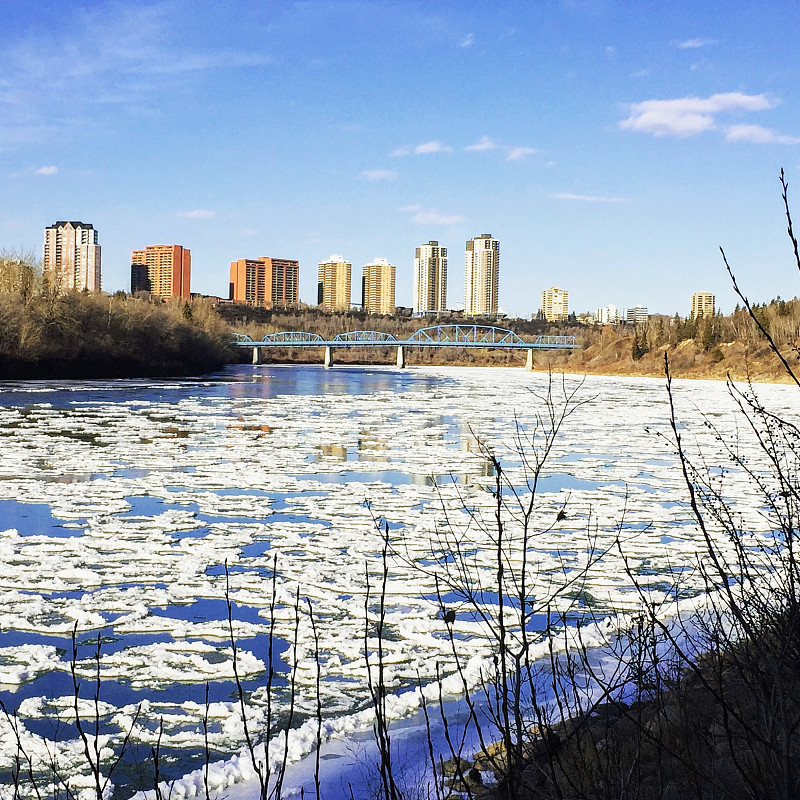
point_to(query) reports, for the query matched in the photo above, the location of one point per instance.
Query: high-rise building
(608, 315)
(702, 305)
(377, 287)
(555, 304)
(637, 315)
(430, 278)
(162, 269)
(482, 274)
(333, 284)
(266, 282)
(71, 256)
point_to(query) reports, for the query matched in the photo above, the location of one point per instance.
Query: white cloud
(198, 213)
(425, 148)
(468, 40)
(46, 171)
(515, 153)
(689, 116)
(379, 175)
(587, 198)
(432, 147)
(758, 135)
(694, 44)
(412, 207)
(484, 143)
(112, 53)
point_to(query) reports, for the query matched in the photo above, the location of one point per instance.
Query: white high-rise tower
(71, 256)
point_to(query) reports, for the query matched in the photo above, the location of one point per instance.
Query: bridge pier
(328, 357)
(256, 355)
(401, 358)
(529, 362)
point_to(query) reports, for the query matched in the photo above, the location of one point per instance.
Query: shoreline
(96, 371)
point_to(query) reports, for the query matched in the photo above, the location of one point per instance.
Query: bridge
(463, 336)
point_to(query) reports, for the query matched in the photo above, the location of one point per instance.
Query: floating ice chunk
(25, 663)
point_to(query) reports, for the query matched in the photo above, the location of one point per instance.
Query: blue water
(233, 382)
(35, 519)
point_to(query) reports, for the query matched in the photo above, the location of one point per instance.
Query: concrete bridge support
(256, 355)
(328, 357)
(529, 362)
(401, 358)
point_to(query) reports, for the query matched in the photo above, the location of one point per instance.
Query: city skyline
(72, 258)
(622, 143)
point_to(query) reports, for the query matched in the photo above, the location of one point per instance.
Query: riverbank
(688, 361)
(738, 360)
(77, 336)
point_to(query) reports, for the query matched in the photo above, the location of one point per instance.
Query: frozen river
(121, 502)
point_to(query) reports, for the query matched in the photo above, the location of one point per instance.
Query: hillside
(711, 348)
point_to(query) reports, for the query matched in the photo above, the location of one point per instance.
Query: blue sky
(612, 147)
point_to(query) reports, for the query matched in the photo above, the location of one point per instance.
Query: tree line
(47, 334)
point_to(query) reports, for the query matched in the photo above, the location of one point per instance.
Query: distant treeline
(708, 347)
(259, 321)
(44, 334)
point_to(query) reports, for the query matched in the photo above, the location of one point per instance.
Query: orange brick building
(266, 282)
(162, 269)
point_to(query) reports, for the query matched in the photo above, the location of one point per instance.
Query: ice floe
(151, 493)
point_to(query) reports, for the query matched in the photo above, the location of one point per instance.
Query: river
(122, 502)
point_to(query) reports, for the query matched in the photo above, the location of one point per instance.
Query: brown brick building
(266, 282)
(162, 269)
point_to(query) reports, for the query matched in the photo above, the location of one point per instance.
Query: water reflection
(238, 381)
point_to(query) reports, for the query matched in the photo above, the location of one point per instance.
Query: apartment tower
(702, 305)
(162, 269)
(481, 278)
(71, 256)
(430, 278)
(555, 304)
(638, 315)
(608, 315)
(377, 287)
(333, 284)
(265, 282)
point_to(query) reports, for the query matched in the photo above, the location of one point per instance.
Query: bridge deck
(463, 336)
